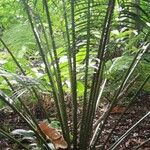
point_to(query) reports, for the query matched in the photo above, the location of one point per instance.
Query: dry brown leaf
(118, 109)
(132, 142)
(52, 134)
(61, 143)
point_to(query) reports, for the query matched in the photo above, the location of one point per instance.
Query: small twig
(101, 117)
(97, 124)
(142, 144)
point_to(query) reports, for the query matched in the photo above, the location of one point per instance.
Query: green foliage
(20, 38)
(11, 13)
(88, 50)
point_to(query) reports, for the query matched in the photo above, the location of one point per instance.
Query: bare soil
(9, 121)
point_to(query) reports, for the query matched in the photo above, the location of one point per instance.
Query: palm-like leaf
(85, 31)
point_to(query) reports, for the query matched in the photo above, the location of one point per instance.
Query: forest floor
(9, 120)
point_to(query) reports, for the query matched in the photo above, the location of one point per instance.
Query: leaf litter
(10, 121)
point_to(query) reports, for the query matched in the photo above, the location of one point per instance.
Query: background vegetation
(93, 52)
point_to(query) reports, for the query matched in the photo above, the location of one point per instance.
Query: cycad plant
(75, 42)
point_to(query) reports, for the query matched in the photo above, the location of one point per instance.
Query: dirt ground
(10, 121)
(139, 134)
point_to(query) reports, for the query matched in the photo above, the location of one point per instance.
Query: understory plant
(89, 50)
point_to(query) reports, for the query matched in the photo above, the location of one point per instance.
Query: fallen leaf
(133, 142)
(117, 109)
(52, 134)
